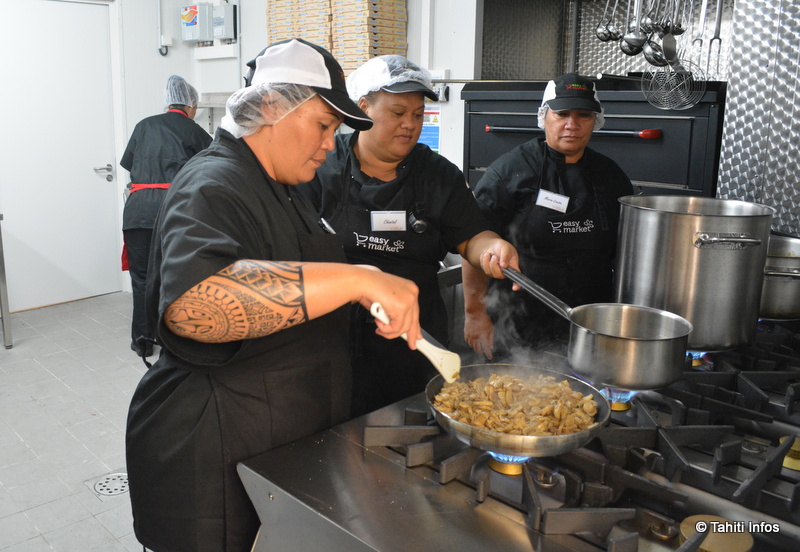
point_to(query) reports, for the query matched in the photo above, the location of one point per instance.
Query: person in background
(249, 298)
(159, 146)
(399, 206)
(555, 199)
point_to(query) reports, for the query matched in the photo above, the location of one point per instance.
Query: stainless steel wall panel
(595, 56)
(523, 39)
(759, 160)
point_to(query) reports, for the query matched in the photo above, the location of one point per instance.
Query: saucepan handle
(538, 291)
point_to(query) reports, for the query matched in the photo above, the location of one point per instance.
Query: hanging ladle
(653, 53)
(612, 29)
(633, 42)
(676, 19)
(602, 31)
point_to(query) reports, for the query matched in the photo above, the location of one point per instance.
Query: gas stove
(714, 448)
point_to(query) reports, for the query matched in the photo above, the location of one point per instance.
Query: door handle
(107, 168)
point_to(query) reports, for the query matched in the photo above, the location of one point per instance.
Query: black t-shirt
(427, 186)
(158, 148)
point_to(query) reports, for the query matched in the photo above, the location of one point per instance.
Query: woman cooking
(248, 296)
(401, 207)
(556, 200)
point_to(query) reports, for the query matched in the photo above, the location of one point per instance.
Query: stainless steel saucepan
(619, 345)
(518, 445)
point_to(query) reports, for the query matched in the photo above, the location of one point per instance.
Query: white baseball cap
(296, 61)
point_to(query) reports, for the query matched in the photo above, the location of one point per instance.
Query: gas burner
(792, 459)
(507, 464)
(700, 361)
(720, 534)
(620, 399)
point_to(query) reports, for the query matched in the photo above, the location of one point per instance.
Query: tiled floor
(65, 387)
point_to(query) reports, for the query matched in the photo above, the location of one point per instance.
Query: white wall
(146, 70)
(441, 36)
(444, 35)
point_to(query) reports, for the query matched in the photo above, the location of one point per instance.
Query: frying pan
(518, 445)
(619, 345)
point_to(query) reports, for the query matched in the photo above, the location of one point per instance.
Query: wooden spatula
(447, 362)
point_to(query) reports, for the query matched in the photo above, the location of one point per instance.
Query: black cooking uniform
(428, 189)
(204, 407)
(571, 253)
(159, 146)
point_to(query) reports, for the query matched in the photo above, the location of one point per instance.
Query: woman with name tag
(556, 200)
(398, 205)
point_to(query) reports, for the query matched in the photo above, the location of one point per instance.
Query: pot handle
(773, 272)
(705, 239)
(538, 291)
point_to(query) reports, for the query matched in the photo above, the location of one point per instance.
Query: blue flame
(618, 395)
(700, 360)
(508, 458)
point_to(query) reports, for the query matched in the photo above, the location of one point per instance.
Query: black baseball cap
(296, 61)
(571, 91)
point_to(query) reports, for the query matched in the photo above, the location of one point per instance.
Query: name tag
(388, 221)
(552, 200)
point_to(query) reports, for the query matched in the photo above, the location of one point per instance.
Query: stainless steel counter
(328, 492)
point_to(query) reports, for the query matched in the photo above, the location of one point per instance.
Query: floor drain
(111, 485)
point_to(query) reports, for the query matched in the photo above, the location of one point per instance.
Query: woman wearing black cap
(248, 296)
(556, 200)
(401, 207)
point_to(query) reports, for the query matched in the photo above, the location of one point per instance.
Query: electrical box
(196, 23)
(225, 22)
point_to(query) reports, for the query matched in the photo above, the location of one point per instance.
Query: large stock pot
(780, 292)
(700, 258)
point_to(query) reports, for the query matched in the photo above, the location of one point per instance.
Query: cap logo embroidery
(576, 87)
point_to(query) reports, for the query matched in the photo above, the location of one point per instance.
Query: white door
(61, 228)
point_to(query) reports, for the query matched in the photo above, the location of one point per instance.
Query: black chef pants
(137, 242)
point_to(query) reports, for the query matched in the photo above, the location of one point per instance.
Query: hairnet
(391, 73)
(243, 110)
(180, 92)
(599, 119)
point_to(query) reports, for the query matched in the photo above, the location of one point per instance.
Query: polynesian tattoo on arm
(247, 299)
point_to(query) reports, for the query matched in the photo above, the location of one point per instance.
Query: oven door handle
(647, 134)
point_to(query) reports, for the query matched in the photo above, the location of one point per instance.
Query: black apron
(197, 423)
(386, 371)
(570, 254)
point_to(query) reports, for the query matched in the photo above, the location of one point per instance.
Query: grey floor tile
(87, 534)
(57, 514)
(16, 529)
(65, 387)
(36, 544)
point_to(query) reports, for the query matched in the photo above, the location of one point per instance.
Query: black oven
(662, 152)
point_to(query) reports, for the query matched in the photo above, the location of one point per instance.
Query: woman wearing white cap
(401, 207)
(248, 296)
(556, 200)
(159, 146)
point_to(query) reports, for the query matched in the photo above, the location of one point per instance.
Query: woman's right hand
(400, 300)
(479, 333)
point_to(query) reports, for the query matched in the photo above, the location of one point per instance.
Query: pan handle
(538, 291)
(707, 239)
(781, 272)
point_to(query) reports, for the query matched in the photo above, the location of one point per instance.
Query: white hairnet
(263, 104)
(180, 92)
(599, 119)
(391, 73)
